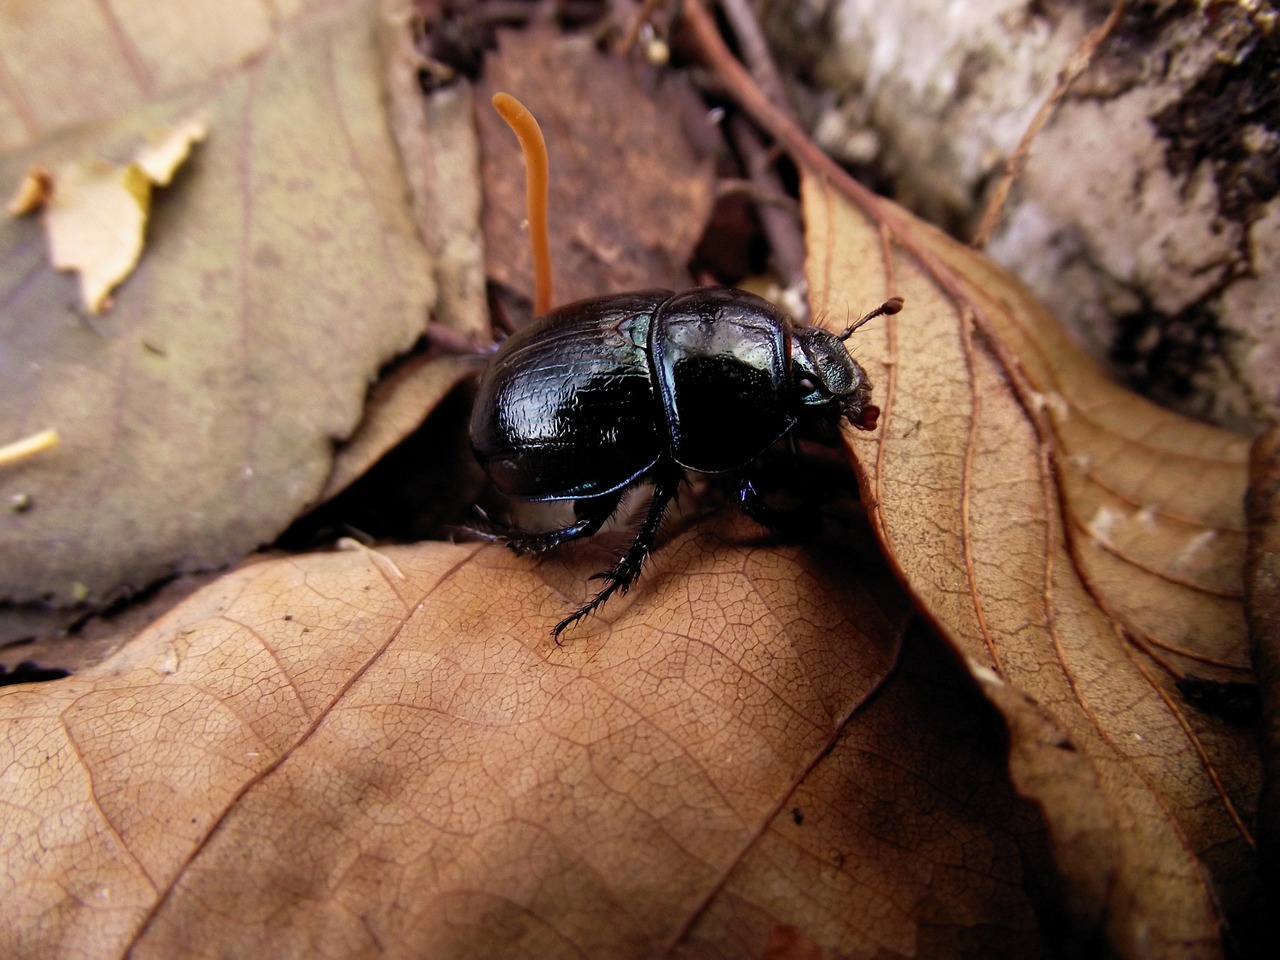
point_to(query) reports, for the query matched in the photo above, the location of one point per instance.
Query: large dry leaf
(1262, 608)
(68, 62)
(315, 757)
(398, 405)
(902, 841)
(282, 270)
(1082, 548)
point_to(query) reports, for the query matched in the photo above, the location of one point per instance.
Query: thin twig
(756, 193)
(20, 450)
(1076, 64)
(637, 22)
(735, 79)
(755, 51)
(781, 226)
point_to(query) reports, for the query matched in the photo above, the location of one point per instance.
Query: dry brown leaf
(283, 271)
(905, 839)
(1262, 607)
(436, 134)
(1082, 548)
(311, 757)
(397, 405)
(71, 62)
(39, 636)
(629, 197)
(790, 943)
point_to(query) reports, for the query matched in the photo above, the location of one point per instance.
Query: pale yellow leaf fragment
(95, 213)
(32, 192)
(95, 221)
(169, 148)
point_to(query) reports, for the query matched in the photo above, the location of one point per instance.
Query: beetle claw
(615, 583)
(527, 546)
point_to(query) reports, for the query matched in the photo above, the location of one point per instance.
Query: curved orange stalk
(527, 131)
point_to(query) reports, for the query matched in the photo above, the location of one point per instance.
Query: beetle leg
(626, 570)
(797, 522)
(592, 515)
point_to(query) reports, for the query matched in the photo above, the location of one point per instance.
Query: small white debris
(1102, 527)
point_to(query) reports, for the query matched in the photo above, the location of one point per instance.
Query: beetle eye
(807, 385)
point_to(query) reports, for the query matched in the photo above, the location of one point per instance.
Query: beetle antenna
(525, 126)
(886, 309)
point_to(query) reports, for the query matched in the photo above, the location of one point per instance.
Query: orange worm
(534, 147)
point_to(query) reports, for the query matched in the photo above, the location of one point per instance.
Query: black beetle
(596, 396)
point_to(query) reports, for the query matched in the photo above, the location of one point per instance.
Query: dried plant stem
(20, 450)
(1076, 64)
(633, 28)
(896, 224)
(527, 131)
(781, 224)
(755, 50)
(739, 84)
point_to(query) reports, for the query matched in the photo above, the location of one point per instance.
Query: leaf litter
(1005, 480)
(197, 419)
(419, 764)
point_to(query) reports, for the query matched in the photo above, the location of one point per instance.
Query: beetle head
(828, 378)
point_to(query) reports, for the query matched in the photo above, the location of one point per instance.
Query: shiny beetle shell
(587, 398)
(598, 395)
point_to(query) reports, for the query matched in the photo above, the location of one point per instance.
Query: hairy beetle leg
(626, 570)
